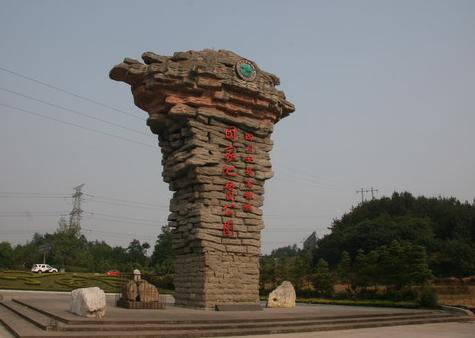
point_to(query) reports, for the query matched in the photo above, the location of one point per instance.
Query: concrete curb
(456, 310)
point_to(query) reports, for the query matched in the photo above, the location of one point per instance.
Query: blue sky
(384, 92)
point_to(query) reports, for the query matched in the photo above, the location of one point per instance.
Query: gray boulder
(88, 302)
(282, 297)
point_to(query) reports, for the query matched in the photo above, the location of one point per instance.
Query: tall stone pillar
(213, 112)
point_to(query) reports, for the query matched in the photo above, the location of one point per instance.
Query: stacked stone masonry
(192, 99)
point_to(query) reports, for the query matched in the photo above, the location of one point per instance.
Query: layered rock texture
(213, 112)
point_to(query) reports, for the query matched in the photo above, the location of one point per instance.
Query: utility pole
(75, 214)
(361, 191)
(372, 190)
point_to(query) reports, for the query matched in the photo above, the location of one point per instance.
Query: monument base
(238, 307)
(140, 305)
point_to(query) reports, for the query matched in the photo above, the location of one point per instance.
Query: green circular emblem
(246, 70)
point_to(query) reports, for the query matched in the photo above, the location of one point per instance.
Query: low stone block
(88, 302)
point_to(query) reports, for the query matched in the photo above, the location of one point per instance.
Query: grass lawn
(360, 302)
(23, 280)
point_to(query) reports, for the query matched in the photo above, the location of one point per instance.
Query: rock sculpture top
(202, 79)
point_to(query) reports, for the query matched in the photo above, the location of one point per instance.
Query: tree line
(394, 242)
(71, 251)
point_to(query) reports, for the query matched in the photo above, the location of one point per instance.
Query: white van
(40, 268)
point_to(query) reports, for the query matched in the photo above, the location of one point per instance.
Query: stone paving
(174, 322)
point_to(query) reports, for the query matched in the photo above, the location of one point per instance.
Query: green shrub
(29, 281)
(378, 303)
(160, 281)
(8, 277)
(427, 296)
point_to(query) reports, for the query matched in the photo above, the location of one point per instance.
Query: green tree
(444, 227)
(343, 269)
(102, 258)
(322, 279)
(137, 253)
(402, 264)
(6, 255)
(163, 256)
(365, 270)
(267, 276)
(417, 265)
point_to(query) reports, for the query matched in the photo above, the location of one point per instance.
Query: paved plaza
(30, 314)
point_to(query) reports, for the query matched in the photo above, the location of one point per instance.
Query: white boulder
(283, 296)
(88, 302)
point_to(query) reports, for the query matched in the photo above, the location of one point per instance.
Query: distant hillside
(445, 227)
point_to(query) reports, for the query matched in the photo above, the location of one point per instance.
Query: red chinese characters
(231, 134)
(228, 209)
(229, 188)
(249, 171)
(248, 183)
(247, 207)
(228, 229)
(248, 195)
(230, 171)
(249, 137)
(249, 159)
(230, 157)
(230, 153)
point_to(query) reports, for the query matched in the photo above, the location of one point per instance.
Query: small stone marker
(140, 294)
(148, 292)
(283, 296)
(88, 302)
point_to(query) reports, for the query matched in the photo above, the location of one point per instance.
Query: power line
(70, 93)
(74, 111)
(30, 212)
(125, 201)
(127, 205)
(146, 205)
(91, 198)
(75, 125)
(129, 222)
(122, 235)
(311, 181)
(26, 196)
(32, 193)
(296, 216)
(32, 215)
(315, 179)
(312, 178)
(122, 217)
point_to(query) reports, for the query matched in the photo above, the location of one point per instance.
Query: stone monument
(213, 112)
